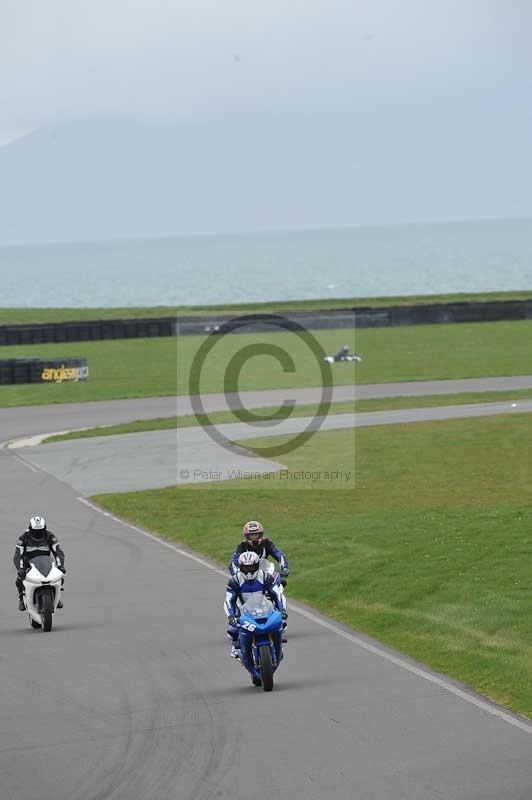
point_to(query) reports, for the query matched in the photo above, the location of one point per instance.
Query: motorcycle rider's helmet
(248, 564)
(253, 532)
(37, 527)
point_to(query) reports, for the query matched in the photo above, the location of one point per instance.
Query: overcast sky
(404, 69)
(396, 60)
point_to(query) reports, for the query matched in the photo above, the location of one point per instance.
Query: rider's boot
(60, 604)
(235, 652)
(21, 606)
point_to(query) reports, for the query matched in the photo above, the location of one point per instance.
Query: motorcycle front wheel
(266, 669)
(46, 612)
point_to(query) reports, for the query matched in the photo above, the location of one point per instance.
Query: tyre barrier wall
(359, 317)
(389, 316)
(49, 332)
(36, 370)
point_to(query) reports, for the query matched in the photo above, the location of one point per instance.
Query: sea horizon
(417, 258)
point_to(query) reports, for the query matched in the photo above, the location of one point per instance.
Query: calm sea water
(349, 262)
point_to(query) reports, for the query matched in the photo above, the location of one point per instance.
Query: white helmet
(37, 527)
(248, 564)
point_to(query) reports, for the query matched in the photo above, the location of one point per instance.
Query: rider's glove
(285, 572)
(284, 615)
(233, 621)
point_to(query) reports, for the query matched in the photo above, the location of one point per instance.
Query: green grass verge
(220, 417)
(14, 316)
(158, 367)
(118, 369)
(431, 552)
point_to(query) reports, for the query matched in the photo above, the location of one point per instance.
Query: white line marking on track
(151, 536)
(27, 463)
(483, 705)
(33, 441)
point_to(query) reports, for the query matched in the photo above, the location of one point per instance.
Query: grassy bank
(430, 551)
(221, 417)
(14, 316)
(161, 367)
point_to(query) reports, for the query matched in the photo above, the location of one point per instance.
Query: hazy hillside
(106, 178)
(115, 178)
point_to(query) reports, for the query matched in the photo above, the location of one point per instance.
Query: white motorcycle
(269, 568)
(42, 591)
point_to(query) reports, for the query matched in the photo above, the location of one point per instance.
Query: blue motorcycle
(260, 639)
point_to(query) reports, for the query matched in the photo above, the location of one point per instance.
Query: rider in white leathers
(250, 578)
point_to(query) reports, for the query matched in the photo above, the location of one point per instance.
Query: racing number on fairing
(248, 626)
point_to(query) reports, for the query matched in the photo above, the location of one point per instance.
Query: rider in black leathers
(37, 540)
(254, 541)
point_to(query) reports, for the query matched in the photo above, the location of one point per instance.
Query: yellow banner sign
(62, 373)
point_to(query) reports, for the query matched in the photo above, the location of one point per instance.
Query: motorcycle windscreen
(257, 605)
(43, 563)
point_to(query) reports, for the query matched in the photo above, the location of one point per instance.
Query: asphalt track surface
(155, 459)
(133, 695)
(31, 420)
